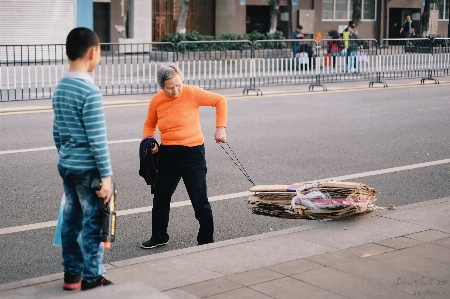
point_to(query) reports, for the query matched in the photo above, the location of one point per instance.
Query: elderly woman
(175, 112)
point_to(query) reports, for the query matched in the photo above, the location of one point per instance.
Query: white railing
(134, 71)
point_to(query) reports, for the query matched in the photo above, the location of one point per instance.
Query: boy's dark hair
(299, 27)
(351, 23)
(78, 42)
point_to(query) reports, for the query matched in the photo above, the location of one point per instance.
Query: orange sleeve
(151, 121)
(208, 98)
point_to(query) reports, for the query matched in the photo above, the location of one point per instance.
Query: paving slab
(254, 276)
(180, 294)
(431, 251)
(211, 287)
(399, 243)
(427, 291)
(342, 283)
(429, 235)
(395, 295)
(331, 259)
(289, 288)
(442, 242)
(164, 274)
(257, 254)
(380, 273)
(294, 267)
(413, 263)
(367, 250)
(242, 293)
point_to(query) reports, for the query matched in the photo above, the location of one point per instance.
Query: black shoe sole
(150, 247)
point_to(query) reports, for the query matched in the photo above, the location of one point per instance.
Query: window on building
(443, 7)
(343, 9)
(368, 9)
(327, 9)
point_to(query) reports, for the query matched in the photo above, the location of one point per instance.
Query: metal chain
(236, 162)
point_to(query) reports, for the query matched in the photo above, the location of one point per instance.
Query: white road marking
(387, 170)
(27, 150)
(46, 148)
(23, 228)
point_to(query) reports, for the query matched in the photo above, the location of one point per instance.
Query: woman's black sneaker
(98, 283)
(152, 244)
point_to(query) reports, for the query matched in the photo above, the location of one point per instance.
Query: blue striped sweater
(79, 128)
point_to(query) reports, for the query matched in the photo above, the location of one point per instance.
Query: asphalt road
(279, 139)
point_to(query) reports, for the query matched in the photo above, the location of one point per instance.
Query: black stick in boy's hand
(108, 213)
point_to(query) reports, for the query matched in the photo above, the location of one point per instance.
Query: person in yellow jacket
(352, 62)
(345, 36)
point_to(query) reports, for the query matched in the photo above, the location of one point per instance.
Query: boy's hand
(105, 190)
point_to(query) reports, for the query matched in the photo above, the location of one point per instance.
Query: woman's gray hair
(166, 72)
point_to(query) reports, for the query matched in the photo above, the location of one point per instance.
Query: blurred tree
(356, 15)
(182, 17)
(274, 11)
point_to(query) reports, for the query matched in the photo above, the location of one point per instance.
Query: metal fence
(33, 71)
(216, 64)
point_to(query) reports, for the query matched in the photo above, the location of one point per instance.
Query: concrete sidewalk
(402, 253)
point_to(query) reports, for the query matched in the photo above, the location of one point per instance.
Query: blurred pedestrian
(408, 29)
(334, 46)
(352, 50)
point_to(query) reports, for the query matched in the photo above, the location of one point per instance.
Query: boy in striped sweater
(79, 132)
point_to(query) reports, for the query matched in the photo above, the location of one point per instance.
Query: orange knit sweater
(178, 118)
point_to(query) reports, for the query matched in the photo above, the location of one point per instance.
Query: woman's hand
(155, 149)
(220, 135)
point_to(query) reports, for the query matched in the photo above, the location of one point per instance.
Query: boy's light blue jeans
(100, 253)
(81, 215)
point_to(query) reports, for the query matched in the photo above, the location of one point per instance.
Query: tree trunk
(124, 13)
(274, 11)
(426, 18)
(386, 26)
(356, 15)
(182, 17)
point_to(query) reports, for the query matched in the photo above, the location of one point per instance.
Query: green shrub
(195, 36)
(331, 32)
(434, 41)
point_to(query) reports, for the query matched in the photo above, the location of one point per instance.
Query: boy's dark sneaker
(98, 283)
(152, 244)
(71, 281)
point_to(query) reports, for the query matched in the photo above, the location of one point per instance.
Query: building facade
(379, 18)
(128, 21)
(37, 22)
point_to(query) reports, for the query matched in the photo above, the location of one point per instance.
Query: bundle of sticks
(313, 200)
